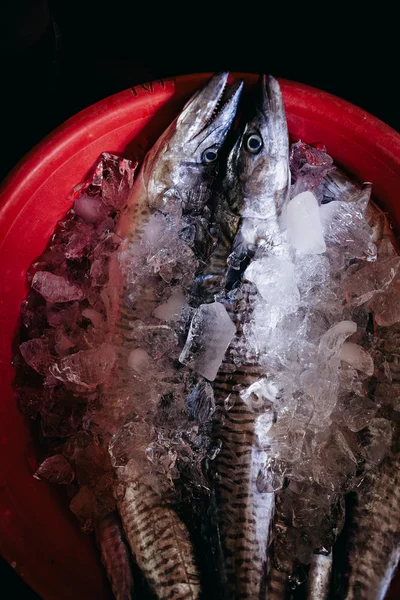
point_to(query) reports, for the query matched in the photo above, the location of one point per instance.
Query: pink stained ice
(37, 355)
(55, 469)
(386, 306)
(55, 288)
(362, 284)
(112, 180)
(308, 167)
(86, 369)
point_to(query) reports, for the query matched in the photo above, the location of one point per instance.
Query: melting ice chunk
(140, 361)
(55, 288)
(37, 355)
(362, 285)
(332, 341)
(55, 469)
(211, 331)
(304, 226)
(87, 368)
(377, 440)
(259, 394)
(386, 307)
(346, 230)
(275, 280)
(171, 309)
(357, 357)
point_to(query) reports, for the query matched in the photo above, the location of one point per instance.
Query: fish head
(258, 174)
(180, 170)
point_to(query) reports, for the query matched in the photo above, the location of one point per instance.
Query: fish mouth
(219, 114)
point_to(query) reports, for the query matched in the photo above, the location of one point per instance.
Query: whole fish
(165, 228)
(260, 185)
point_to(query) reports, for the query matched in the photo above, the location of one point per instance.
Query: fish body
(170, 195)
(259, 184)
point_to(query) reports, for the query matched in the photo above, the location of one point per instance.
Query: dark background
(59, 57)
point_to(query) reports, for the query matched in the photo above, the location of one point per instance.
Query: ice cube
(130, 443)
(259, 394)
(386, 306)
(332, 341)
(357, 411)
(211, 331)
(275, 280)
(55, 288)
(62, 344)
(346, 230)
(83, 507)
(55, 469)
(170, 311)
(376, 440)
(117, 175)
(361, 285)
(336, 464)
(140, 362)
(357, 357)
(338, 187)
(201, 403)
(87, 368)
(304, 226)
(37, 355)
(271, 477)
(90, 208)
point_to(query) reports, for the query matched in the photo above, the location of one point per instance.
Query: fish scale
(160, 544)
(244, 512)
(374, 544)
(174, 172)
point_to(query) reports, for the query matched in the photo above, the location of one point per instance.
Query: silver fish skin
(319, 576)
(260, 161)
(115, 557)
(176, 179)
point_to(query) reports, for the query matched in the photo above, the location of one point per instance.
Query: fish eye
(210, 155)
(254, 143)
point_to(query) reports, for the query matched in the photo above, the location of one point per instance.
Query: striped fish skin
(258, 177)
(278, 585)
(160, 544)
(177, 178)
(115, 557)
(374, 541)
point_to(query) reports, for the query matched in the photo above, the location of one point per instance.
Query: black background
(101, 49)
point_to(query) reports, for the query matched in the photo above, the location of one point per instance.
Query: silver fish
(260, 188)
(174, 186)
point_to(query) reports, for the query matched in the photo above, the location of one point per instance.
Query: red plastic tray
(38, 535)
